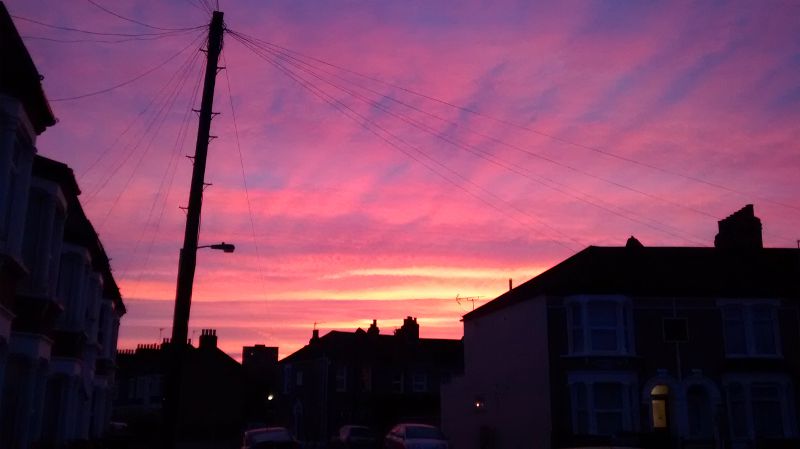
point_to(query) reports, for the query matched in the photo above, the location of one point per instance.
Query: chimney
(373, 328)
(314, 337)
(208, 339)
(740, 230)
(510, 284)
(409, 331)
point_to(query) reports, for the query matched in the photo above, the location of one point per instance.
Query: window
(750, 329)
(601, 403)
(767, 409)
(599, 325)
(287, 378)
(298, 379)
(758, 407)
(397, 382)
(10, 190)
(341, 378)
(420, 382)
(366, 379)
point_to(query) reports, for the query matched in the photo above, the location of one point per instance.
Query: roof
(57, 172)
(19, 77)
(340, 345)
(663, 271)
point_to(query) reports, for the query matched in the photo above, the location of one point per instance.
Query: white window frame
(588, 379)
(624, 328)
(785, 396)
(749, 331)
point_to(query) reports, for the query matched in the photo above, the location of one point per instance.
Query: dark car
(269, 438)
(415, 436)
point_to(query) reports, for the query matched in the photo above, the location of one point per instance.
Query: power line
(148, 126)
(580, 196)
(374, 128)
(166, 180)
(166, 110)
(163, 88)
(244, 179)
(119, 16)
(569, 142)
(125, 83)
(99, 33)
(101, 41)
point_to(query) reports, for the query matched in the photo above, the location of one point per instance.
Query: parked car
(269, 438)
(415, 436)
(355, 437)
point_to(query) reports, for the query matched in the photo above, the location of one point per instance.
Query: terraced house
(637, 346)
(60, 307)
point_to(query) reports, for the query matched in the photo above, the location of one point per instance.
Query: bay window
(750, 328)
(602, 402)
(599, 325)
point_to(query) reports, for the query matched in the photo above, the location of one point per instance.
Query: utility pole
(188, 254)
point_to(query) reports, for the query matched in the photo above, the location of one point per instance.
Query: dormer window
(599, 325)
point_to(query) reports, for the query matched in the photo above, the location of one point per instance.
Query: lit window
(750, 329)
(599, 325)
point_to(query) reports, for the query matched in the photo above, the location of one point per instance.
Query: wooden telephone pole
(188, 254)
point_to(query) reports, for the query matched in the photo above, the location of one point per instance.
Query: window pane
(734, 337)
(577, 315)
(580, 397)
(602, 313)
(609, 423)
(582, 424)
(577, 340)
(763, 330)
(767, 410)
(737, 410)
(607, 396)
(603, 340)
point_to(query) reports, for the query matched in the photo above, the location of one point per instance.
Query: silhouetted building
(261, 384)
(367, 378)
(638, 346)
(210, 396)
(59, 304)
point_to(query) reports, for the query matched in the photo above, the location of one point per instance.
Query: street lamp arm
(226, 247)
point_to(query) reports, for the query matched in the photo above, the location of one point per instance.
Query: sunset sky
(461, 144)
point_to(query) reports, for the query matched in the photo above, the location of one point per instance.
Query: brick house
(638, 346)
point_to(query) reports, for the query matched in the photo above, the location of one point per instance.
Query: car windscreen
(427, 433)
